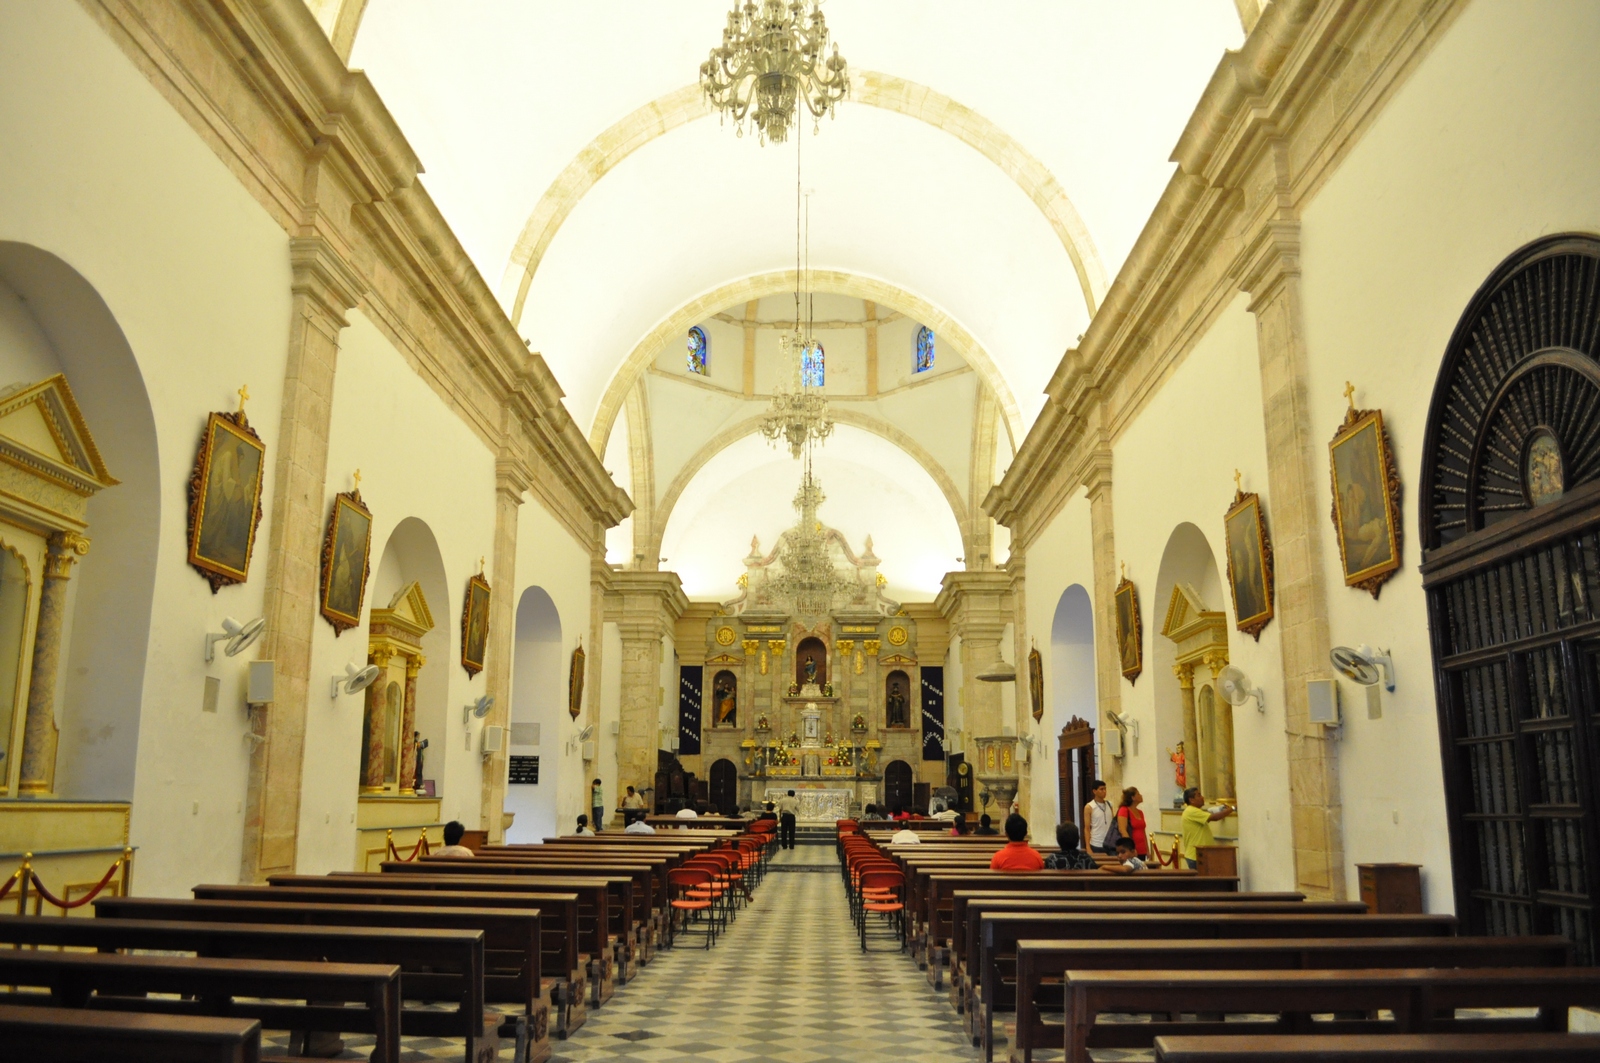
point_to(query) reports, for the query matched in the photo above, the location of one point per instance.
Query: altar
(817, 804)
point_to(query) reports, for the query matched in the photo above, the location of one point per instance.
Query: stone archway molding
(873, 89)
(835, 282)
(751, 425)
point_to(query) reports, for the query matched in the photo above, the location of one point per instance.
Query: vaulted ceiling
(988, 176)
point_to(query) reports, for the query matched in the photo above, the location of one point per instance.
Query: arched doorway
(725, 787)
(1511, 568)
(538, 705)
(1072, 695)
(897, 785)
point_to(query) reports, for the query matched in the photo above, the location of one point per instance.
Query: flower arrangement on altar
(858, 723)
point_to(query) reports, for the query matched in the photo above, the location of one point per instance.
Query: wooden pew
(71, 1035)
(1422, 1000)
(999, 933)
(117, 982)
(511, 947)
(561, 970)
(1041, 964)
(456, 957)
(1383, 1048)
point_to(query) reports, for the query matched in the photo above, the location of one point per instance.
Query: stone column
(646, 605)
(1191, 725)
(407, 774)
(40, 732)
(1107, 660)
(978, 606)
(376, 703)
(1295, 506)
(511, 480)
(324, 287)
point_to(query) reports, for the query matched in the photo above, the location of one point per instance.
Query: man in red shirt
(1016, 854)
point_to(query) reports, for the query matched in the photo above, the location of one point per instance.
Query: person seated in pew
(583, 830)
(770, 812)
(985, 825)
(633, 807)
(1128, 860)
(958, 825)
(1017, 854)
(688, 812)
(452, 841)
(905, 836)
(638, 826)
(1071, 857)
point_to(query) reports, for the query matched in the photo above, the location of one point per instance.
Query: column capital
(1094, 473)
(1185, 674)
(512, 477)
(977, 604)
(64, 548)
(324, 277)
(1270, 257)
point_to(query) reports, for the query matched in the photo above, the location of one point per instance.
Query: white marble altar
(819, 804)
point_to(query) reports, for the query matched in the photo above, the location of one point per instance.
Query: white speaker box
(259, 689)
(494, 739)
(1323, 698)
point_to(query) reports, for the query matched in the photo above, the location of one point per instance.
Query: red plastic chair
(690, 892)
(883, 893)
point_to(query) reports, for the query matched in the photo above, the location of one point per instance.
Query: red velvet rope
(421, 848)
(12, 881)
(80, 902)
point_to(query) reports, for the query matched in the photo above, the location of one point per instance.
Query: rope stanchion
(420, 849)
(12, 881)
(66, 906)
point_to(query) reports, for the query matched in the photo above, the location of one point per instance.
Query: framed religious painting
(575, 682)
(225, 499)
(1366, 499)
(475, 624)
(346, 561)
(1036, 683)
(1249, 563)
(1130, 630)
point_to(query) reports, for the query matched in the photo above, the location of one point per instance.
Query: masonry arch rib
(874, 89)
(835, 282)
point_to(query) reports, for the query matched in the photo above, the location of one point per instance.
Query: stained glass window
(697, 350)
(813, 368)
(924, 355)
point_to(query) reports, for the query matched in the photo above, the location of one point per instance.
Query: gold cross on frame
(1350, 394)
(244, 396)
(1238, 484)
(356, 476)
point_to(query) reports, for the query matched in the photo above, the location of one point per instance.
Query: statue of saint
(422, 743)
(810, 669)
(1179, 775)
(897, 709)
(727, 701)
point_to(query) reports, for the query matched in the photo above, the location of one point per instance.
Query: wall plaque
(524, 771)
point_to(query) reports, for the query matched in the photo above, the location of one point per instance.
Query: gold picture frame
(1036, 683)
(1130, 630)
(575, 682)
(1366, 500)
(1249, 563)
(475, 624)
(225, 499)
(346, 561)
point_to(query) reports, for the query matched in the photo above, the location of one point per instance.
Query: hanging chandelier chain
(772, 57)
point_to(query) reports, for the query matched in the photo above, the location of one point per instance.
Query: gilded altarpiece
(1200, 640)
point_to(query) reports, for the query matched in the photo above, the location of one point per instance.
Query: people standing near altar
(788, 808)
(1016, 854)
(1097, 816)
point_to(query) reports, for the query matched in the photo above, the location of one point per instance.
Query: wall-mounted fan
(1235, 688)
(477, 710)
(1364, 665)
(354, 680)
(240, 637)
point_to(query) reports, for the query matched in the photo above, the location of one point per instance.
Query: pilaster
(978, 606)
(645, 606)
(324, 287)
(512, 478)
(1271, 274)
(1096, 479)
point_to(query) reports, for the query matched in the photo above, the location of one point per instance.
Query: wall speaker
(588, 751)
(1112, 738)
(259, 688)
(1322, 696)
(494, 739)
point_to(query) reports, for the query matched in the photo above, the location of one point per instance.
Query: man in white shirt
(633, 806)
(638, 826)
(688, 812)
(905, 836)
(788, 809)
(1097, 814)
(452, 842)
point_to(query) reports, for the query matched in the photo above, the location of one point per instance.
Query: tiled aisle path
(788, 983)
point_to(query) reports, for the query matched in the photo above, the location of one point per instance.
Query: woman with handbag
(1130, 821)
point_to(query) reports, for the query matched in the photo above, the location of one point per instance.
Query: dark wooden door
(897, 785)
(1075, 771)
(725, 787)
(1511, 538)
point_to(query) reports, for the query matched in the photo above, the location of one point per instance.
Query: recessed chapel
(880, 442)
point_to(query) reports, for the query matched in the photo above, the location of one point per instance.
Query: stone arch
(537, 710)
(1186, 559)
(720, 442)
(411, 554)
(835, 282)
(101, 682)
(871, 88)
(1070, 681)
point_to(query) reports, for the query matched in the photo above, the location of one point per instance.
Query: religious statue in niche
(897, 700)
(725, 699)
(1180, 776)
(422, 744)
(810, 669)
(811, 662)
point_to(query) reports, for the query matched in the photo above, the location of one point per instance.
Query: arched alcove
(897, 699)
(810, 650)
(411, 555)
(53, 321)
(725, 699)
(1189, 561)
(725, 787)
(1071, 682)
(538, 685)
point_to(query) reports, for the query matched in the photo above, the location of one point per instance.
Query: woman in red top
(1130, 821)
(1016, 854)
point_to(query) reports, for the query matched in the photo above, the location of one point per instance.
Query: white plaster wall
(1490, 144)
(1175, 463)
(538, 683)
(99, 170)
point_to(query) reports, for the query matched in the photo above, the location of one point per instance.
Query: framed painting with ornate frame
(346, 561)
(1366, 500)
(575, 682)
(1130, 630)
(1249, 563)
(475, 624)
(1036, 683)
(225, 499)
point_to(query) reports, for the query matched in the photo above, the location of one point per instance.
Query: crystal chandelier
(771, 57)
(798, 415)
(809, 578)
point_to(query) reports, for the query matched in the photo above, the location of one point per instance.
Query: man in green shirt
(1197, 820)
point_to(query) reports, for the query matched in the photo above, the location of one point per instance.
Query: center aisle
(787, 982)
